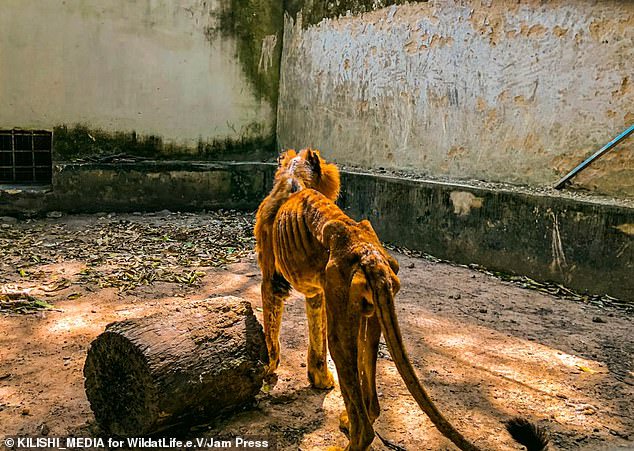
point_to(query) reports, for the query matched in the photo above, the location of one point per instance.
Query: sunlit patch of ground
(486, 349)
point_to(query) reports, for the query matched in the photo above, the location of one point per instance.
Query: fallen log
(178, 368)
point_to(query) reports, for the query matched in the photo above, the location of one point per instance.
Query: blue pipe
(594, 156)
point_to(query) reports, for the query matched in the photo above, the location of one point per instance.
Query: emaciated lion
(296, 171)
(305, 241)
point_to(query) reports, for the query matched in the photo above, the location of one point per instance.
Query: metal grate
(25, 156)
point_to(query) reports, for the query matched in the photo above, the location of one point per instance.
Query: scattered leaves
(128, 251)
(22, 302)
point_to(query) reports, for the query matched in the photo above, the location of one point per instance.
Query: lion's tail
(523, 431)
(528, 434)
(387, 317)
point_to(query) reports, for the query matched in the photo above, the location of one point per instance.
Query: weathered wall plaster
(186, 72)
(503, 91)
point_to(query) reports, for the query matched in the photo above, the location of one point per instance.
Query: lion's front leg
(275, 290)
(318, 373)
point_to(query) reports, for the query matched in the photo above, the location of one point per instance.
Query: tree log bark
(178, 368)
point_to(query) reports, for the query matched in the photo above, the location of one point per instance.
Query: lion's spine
(311, 210)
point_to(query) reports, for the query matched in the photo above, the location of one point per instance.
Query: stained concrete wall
(142, 186)
(192, 74)
(582, 244)
(501, 91)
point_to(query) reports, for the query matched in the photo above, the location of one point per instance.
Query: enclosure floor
(487, 350)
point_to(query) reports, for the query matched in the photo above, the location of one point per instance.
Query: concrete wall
(143, 186)
(582, 244)
(190, 74)
(502, 91)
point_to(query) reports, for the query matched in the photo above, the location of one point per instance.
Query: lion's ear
(312, 156)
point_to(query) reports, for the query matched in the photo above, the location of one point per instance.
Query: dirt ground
(487, 349)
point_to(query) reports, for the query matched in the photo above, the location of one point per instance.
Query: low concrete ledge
(143, 186)
(584, 245)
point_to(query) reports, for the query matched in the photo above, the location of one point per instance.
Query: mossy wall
(313, 11)
(143, 186)
(195, 79)
(82, 143)
(584, 245)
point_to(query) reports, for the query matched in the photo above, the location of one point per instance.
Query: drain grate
(25, 156)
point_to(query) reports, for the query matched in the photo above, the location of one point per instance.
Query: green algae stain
(257, 27)
(313, 11)
(82, 143)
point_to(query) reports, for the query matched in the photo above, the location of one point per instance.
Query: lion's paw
(344, 423)
(321, 380)
(270, 380)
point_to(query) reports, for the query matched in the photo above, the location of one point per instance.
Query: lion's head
(308, 169)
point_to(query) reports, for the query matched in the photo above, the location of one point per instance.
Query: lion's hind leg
(369, 336)
(318, 373)
(343, 332)
(275, 290)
